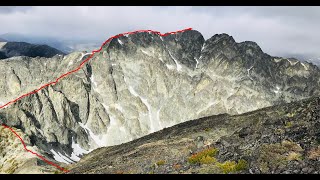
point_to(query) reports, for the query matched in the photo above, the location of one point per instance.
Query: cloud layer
(278, 30)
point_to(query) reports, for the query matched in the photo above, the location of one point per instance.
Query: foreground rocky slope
(278, 139)
(141, 83)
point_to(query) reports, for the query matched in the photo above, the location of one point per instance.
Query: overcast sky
(278, 30)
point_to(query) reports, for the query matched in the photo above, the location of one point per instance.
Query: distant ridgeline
(11, 49)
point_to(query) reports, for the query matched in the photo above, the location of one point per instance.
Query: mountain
(40, 40)
(3, 40)
(139, 84)
(64, 45)
(280, 139)
(11, 49)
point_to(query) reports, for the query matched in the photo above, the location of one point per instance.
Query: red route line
(70, 72)
(41, 157)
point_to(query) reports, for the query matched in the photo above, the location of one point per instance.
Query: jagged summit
(250, 48)
(223, 37)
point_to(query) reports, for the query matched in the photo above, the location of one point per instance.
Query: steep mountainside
(142, 83)
(278, 139)
(11, 49)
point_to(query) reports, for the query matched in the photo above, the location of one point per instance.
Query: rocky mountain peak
(221, 38)
(142, 83)
(250, 48)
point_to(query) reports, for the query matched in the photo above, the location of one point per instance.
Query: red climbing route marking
(25, 147)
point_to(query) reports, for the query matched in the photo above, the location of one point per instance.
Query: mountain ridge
(135, 71)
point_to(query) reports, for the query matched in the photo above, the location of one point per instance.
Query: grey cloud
(12, 9)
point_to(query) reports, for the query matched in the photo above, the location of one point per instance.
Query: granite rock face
(142, 83)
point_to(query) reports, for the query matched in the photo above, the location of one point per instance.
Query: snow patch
(145, 52)
(95, 138)
(277, 60)
(77, 150)
(248, 70)
(65, 158)
(83, 55)
(153, 115)
(158, 118)
(93, 81)
(277, 90)
(70, 63)
(2, 103)
(203, 46)
(145, 101)
(292, 63)
(305, 67)
(179, 67)
(120, 41)
(196, 61)
(41, 131)
(74, 157)
(170, 66)
(113, 137)
(60, 158)
(132, 91)
(119, 107)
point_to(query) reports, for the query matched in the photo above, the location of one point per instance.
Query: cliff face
(141, 83)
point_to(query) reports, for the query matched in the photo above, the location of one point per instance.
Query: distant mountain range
(11, 49)
(66, 46)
